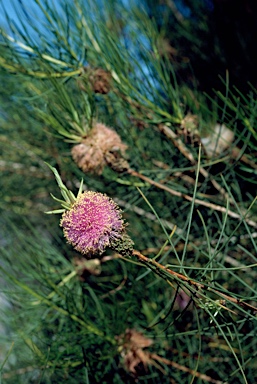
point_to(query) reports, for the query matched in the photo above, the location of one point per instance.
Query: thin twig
(183, 368)
(199, 286)
(189, 198)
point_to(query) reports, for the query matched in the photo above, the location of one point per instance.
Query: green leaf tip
(68, 196)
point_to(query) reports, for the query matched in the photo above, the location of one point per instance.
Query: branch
(198, 286)
(215, 207)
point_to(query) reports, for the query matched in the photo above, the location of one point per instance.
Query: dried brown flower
(132, 344)
(98, 79)
(102, 146)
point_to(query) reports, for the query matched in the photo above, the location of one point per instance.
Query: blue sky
(9, 7)
(22, 10)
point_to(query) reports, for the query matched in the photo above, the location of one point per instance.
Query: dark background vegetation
(207, 38)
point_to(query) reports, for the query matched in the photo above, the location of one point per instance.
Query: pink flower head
(93, 223)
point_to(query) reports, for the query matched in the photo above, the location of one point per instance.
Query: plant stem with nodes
(159, 269)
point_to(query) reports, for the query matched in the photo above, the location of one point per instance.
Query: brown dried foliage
(132, 345)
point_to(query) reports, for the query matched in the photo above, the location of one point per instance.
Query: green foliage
(190, 286)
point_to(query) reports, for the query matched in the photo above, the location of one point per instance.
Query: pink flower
(93, 223)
